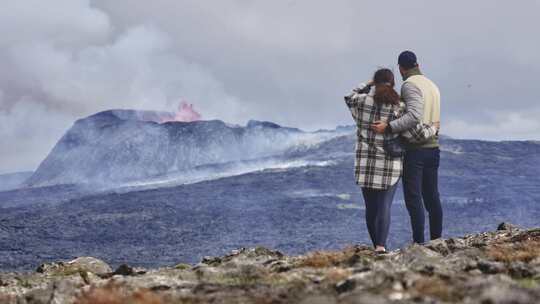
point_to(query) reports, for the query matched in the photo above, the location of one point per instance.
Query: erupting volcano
(185, 113)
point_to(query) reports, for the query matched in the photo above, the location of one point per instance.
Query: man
(421, 163)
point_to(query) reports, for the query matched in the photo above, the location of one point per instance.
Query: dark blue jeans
(378, 203)
(420, 186)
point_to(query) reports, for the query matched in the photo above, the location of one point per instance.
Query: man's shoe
(380, 250)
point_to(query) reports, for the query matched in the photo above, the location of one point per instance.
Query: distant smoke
(72, 62)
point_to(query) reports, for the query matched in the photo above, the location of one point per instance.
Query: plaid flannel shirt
(373, 168)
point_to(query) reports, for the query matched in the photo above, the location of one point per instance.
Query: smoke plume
(65, 61)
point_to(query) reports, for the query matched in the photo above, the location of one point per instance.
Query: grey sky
(285, 61)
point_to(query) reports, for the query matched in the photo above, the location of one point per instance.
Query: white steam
(27, 131)
(65, 61)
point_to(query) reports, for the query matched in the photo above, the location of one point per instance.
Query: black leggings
(378, 203)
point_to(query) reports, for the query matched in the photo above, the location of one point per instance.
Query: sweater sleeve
(414, 101)
(354, 99)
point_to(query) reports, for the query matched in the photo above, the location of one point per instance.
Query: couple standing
(383, 117)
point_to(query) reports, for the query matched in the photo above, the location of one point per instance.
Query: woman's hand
(379, 126)
(363, 87)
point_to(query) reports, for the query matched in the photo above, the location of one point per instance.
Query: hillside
(300, 199)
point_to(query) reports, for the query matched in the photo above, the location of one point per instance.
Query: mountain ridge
(122, 145)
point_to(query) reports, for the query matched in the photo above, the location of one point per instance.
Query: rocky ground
(502, 266)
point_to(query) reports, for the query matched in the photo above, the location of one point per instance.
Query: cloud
(295, 59)
(67, 23)
(287, 61)
(136, 70)
(501, 126)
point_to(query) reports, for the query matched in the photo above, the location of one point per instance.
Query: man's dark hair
(407, 60)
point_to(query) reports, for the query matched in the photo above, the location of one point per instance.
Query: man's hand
(379, 126)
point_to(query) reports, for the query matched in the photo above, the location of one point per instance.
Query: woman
(376, 171)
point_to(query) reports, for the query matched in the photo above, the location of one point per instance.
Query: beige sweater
(431, 106)
(431, 96)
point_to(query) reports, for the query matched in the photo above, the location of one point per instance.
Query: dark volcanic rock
(248, 276)
(506, 226)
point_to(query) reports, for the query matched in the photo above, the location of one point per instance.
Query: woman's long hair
(384, 83)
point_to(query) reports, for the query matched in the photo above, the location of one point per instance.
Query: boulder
(81, 264)
(506, 226)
